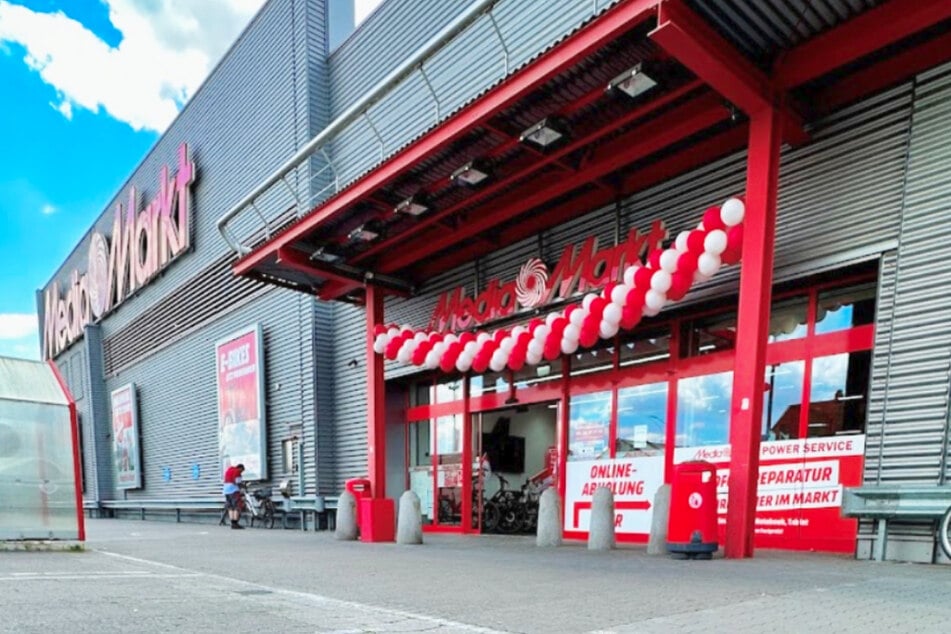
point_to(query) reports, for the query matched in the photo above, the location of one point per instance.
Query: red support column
(756, 279)
(376, 398)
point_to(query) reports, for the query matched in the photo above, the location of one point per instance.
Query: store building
(482, 167)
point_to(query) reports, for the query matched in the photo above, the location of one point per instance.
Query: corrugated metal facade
(913, 348)
(265, 98)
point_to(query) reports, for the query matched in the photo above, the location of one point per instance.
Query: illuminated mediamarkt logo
(578, 271)
(144, 241)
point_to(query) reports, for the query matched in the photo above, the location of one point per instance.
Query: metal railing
(358, 114)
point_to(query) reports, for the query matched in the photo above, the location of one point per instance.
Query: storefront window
(839, 395)
(641, 419)
(645, 348)
(488, 383)
(788, 319)
(707, 335)
(449, 434)
(600, 359)
(844, 308)
(589, 426)
(703, 410)
(420, 463)
(782, 404)
(542, 373)
(448, 391)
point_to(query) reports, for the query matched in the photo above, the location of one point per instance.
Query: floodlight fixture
(633, 82)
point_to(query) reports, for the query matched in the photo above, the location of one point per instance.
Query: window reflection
(448, 391)
(782, 404)
(449, 434)
(844, 308)
(703, 410)
(645, 348)
(597, 359)
(839, 394)
(707, 335)
(641, 419)
(787, 319)
(589, 426)
(488, 383)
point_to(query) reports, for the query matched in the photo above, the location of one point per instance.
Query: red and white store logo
(578, 271)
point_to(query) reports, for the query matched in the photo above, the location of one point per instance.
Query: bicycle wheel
(490, 517)
(267, 514)
(944, 533)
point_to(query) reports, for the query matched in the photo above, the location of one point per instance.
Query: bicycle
(254, 505)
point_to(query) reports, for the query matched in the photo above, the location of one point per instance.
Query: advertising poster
(799, 492)
(125, 438)
(634, 481)
(242, 434)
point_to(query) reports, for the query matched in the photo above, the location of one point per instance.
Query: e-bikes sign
(578, 270)
(144, 241)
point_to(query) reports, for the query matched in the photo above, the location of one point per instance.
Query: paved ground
(162, 577)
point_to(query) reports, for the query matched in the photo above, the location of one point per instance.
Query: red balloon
(711, 219)
(480, 365)
(687, 262)
(466, 337)
(535, 323)
(734, 245)
(679, 285)
(642, 278)
(436, 338)
(500, 334)
(695, 241)
(379, 329)
(570, 308)
(393, 348)
(629, 318)
(608, 289)
(597, 305)
(635, 299)
(419, 355)
(588, 338)
(654, 258)
(559, 325)
(516, 363)
(552, 351)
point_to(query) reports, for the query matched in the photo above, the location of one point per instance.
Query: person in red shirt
(232, 493)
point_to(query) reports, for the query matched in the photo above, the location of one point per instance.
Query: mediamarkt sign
(578, 271)
(144, 241)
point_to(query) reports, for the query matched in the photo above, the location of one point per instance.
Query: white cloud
(17, 325)
(363, 8)
(167, 49)
(47, 209)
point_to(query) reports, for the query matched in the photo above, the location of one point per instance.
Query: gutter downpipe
(470, 15)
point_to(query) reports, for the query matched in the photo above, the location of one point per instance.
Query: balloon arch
(696, 256)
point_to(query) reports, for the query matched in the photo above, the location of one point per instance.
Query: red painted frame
(74, 438)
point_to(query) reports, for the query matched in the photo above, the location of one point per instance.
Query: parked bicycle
(944, 533)
(255, 505)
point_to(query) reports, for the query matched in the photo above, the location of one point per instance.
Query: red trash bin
(360, 488)
(692, 526)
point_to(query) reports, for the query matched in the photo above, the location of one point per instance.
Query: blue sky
(88, 87)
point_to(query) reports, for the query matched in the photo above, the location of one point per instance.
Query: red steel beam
(752, 329)
(677, 124)
(376, 398)
(865, 34)
(607, 28)
(296, 261)
(697, 155)
(693, 43)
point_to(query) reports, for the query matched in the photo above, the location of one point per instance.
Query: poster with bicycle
(242, 432)
(125, 438)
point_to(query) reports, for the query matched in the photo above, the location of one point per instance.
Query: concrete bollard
(657, 544)
(346, 517)
(409, 524)
(549, 519)
(601, 531)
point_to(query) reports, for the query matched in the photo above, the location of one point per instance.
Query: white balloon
(464, 362)
(535, 347)
(471, 348)
(732, 212)
(482, 337)
(619, 294)
(379, 344)
(572, 332)
(393, 331)
(715, 242)
(654, 299)
(586, 302)
(681, 242)
(507, 344)
(700, 278)
(498, 361)
(668, 260)
(419, 337)
(661, 281)
(403, 356)
(439, 348)
(568, 346)
(708, 264)
(518, 330)
(541, 332)
(607, 329)
(533, 359)
(651, 312)
(451, 338)
(577, 316)
(551, 317)
(612, 314)
(432, 359)
(629, 274)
